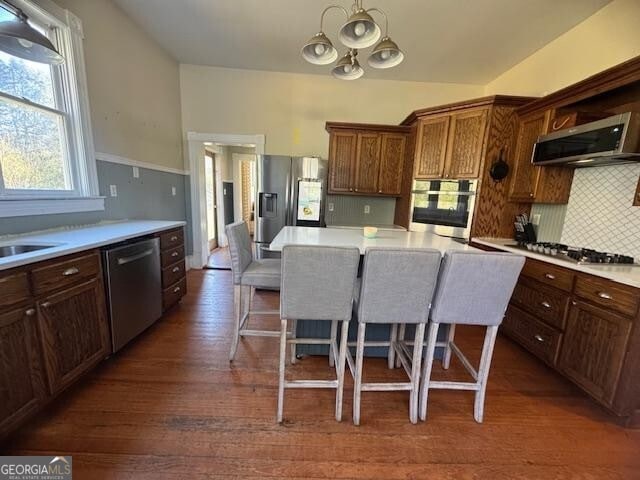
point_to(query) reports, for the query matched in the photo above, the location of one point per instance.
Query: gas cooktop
(579, 256)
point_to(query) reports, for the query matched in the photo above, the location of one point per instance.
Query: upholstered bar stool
(397, 287)
(317, 284)
(248, 274)
(473, 289)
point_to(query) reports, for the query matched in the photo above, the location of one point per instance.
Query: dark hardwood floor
(170, 406)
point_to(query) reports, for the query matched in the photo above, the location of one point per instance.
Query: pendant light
(358, 32)
(348, 68)
(20, 39)
(386, 54)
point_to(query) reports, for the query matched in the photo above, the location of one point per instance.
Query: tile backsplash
(600, 213)
(349, 210)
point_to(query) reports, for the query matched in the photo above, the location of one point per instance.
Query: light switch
(136, 172)
(173, 191)
(535, 219)
(331, 207)
(113, 190)
(367, 209)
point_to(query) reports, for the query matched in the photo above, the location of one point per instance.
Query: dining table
(354, 237)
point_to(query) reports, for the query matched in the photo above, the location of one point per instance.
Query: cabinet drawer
(171, 256)
(606, 293)
(14, 288)
(171, 239)
(65, 273)
(536, 336)
(549, 274)
(173, 294)
(172, 274)
(548, 304)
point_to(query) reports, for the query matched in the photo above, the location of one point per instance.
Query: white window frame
(75, 101)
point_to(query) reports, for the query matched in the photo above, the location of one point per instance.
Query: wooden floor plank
(171, 406)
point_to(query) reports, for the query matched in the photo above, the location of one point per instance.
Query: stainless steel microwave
(444, 207)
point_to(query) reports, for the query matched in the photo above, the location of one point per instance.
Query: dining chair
(474, 288)
(249, 274)
(397, 287)
(317, 284)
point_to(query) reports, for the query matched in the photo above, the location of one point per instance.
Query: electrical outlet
(113, 190)
(136, 172)
(535, 219)
(367, 209)
(173, 191)
(331, 207)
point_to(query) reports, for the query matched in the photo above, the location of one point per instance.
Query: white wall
(607, 38)
(133, 84)
(291, 109)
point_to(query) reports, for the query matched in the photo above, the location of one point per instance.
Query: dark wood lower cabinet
(74, 332)
(22, 389)
(594, 347)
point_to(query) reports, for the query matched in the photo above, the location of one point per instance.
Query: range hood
(612, 140)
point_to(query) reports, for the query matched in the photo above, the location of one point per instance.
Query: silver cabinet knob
(176, 290)
(175, 269)
(174, 238)
(30, 312)
(538, 338)
(550, 276)
(545, 304)
(174, 254)
(71, 271)
(605, 295)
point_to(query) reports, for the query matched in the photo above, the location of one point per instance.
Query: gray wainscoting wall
(148, 197)
(349, 210)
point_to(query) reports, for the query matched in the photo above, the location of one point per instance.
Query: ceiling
(455, 41)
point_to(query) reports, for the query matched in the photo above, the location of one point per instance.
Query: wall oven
(444, 207)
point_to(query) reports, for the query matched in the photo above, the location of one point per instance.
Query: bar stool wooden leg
(401, 337)
(283, 356)
(340, 370)
(415, 373)
(237, 313)
(333, 337)
(446, 358)
(294, 328)
(432, 336)
(357, 381)
(483, 371)
(393, 336)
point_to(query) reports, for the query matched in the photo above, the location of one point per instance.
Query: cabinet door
(465, 144)
(367, 163)
(431, 147)
(74, 332)
(391, 163)
(595, 341)
(525, 176)
(342, 153)
(22, 387)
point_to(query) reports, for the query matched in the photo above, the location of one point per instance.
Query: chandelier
(359, 31)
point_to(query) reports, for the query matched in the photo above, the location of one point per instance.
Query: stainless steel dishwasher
(134, 291)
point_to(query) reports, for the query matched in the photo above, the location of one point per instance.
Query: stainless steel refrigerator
(290, 191)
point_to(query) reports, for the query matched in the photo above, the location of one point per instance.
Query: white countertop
(72, 240)
(346, 237)
(378, 226)
(621, 274)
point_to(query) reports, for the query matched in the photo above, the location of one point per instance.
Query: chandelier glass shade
(359, 31)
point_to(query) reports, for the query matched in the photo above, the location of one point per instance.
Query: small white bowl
(370, 232)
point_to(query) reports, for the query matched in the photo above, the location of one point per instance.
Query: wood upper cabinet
(392, 158)
(366, 159)
(524, 181)
(22, 389)
(431, 147)
(594, 346)
(342, 152)
(74, 332)
(367, 165)
(466, 141)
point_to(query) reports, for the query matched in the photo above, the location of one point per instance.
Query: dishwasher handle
(133, 258)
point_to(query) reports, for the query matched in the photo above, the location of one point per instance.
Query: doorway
(223, 177)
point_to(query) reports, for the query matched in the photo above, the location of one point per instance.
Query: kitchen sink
(10, 250)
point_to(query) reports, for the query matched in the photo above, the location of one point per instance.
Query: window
(46, 149)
